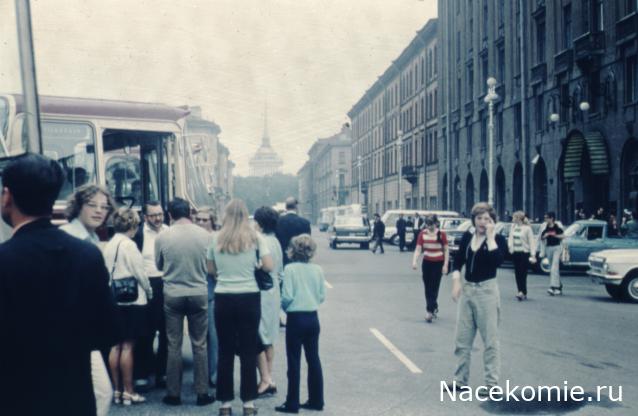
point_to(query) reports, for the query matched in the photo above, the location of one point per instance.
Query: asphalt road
(374, 314)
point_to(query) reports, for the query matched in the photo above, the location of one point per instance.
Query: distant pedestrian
(303, 291)
(206, 219)
(599, 215)
(124, 260)
(232, 258)
(378, 233)
(55, 303)
(266, 219)
(552, 236)
(290, 225)
(630, 228)
(147, 362)
(613, 230)
(478, 295)
(433, 243)
(401, 226)
(180, 252)
(88, 209)
(522, 245)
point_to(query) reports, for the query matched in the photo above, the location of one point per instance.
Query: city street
(381, 358)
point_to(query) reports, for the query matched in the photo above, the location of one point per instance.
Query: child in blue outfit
(303, 290)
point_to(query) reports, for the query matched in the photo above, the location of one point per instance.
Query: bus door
(136, 166)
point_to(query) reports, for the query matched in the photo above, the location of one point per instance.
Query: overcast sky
(311, 60)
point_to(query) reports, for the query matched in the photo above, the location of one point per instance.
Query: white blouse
(129, 263)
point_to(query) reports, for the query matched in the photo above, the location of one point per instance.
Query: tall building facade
(395, 131)
(565, 122)
(325, 179)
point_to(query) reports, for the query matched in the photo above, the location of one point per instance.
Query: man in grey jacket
(180, 253)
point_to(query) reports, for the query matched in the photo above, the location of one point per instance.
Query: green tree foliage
(268, 190)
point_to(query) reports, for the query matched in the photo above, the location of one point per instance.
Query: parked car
(618, 271)
(585, 237)
(390, 218)
(351, 229)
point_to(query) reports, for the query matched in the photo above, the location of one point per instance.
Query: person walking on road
(401, 226)
(304, 289)
(378, 232)
(232, 259)
(478, 295)
(552, 236)
(124, 260)
(522, 245)
(180, 252)
(432, 242)
(55, 303)
(266, 219)
(148, 363)
(290, 225)
(206, 219)
(87, 210)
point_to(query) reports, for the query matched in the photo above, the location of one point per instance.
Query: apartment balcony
(539, 73)
(626, 28)
(564, 60)
(410, 174)
(588, 50)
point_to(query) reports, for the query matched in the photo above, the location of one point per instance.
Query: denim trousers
(302, 330)
(478, 310)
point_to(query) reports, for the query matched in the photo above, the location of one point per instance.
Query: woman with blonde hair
(124, 260)
(235, 251)
(522, 245)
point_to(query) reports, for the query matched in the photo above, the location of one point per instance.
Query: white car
(618, 271)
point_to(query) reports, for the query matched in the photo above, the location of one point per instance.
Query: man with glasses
(146, 362)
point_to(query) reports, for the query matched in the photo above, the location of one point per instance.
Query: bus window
(135, 166)
(196, 188)
(72, 145)
(4, 125)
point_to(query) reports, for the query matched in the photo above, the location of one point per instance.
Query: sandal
(132, 398)
(117, 397)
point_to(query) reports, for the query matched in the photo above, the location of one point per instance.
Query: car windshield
(573, 230)
(349, 221)
(453, 224)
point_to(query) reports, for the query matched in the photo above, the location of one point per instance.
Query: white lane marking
(394, 350)
(328, 285)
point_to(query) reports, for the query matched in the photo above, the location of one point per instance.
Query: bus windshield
(72, 145)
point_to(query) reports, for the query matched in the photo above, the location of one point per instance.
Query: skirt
(133, 321)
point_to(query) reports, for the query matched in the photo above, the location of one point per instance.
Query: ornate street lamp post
(490, 98)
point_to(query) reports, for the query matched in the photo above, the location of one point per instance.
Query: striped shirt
(431, 246)
(517, 239)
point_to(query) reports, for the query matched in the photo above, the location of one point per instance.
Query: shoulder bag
(263, 278)
(124, 289)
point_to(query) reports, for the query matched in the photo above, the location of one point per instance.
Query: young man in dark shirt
(552, 236)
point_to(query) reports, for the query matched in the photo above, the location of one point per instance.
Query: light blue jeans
(479, 309)
(212, 332)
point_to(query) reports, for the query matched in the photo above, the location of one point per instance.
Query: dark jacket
(378, 231)
(290, 225)
(401, 226)
(55, 308)
(483, 265)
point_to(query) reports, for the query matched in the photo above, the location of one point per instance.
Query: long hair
(236, 234)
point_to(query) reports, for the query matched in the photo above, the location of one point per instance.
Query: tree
(265, 191)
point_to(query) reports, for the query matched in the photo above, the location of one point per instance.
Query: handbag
(263, 278)
(124, 289)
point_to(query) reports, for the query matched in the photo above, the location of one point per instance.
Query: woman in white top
(123, 259)
(522, 246)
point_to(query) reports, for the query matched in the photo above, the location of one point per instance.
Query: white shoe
(132, 398)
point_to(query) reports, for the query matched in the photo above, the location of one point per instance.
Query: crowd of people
(82, 316)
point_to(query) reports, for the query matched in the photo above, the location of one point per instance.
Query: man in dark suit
(290, 225)
(55, 302)
(401, 228)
